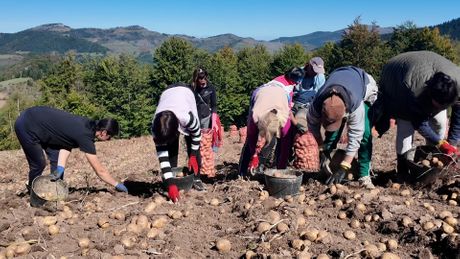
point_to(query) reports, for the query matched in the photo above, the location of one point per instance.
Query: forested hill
(450, 28)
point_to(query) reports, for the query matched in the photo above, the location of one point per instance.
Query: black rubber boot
(403, 170)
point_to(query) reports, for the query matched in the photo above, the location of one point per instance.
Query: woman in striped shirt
(176, 113)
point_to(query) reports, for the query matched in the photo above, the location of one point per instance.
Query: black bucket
(288, 183)
(183, 183)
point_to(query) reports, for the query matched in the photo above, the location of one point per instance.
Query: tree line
(125, 89)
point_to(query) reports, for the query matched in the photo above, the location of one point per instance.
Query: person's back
(405, 77)
(60, 129)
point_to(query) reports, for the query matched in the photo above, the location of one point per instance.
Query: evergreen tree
(289, 56)
(223, 73)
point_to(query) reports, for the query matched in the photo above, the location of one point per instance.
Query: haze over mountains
(138, 40)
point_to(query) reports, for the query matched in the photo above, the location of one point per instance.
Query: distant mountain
(137, 40)
(317, 39)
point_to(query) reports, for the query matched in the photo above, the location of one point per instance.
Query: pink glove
(173, 193)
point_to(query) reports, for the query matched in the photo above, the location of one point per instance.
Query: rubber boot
(402, 169)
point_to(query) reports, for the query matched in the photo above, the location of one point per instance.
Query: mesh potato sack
(207, 155)
(306, 152)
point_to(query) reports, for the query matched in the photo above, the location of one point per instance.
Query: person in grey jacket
(345, 99)
(416, 88)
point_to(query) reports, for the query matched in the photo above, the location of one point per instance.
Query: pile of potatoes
(207, 155)
(233, 131)
(306, 152)
(435, 162)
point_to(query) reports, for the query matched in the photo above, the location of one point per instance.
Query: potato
(250, 254)
(405, 193)
(277, 174)
(9, 251)
(223, 245)
(84, 242)
(159, 200)
(371, 251)
(153, 233)
(300, 221)
(361, 207)
(333, 189)
(247, 206)
(389, 256)
(310, 234)
(214, 202)
(263, 227)
(128, 241)
(350, 235)
(103, 222)
(143, 222)
(396, 186)
(133, 228)
(322, 234)
(448, 229)
(53, 230)
(282, 227)
(297, 244)
(440, 164)
(428, 225)
(49, 220)
(338, 203)
(118, 215)
(342, 215)
(392, 244)
(451, 221)
(22, 249)
(375, 217)
(452, 203)
(406, 221)
(273, 217)
(444, 214)
(150, 208)
(159, 222)
(355, 223)
(426, 163)
(307, 212)
(322, 256)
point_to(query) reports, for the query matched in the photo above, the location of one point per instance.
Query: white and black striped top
(181, 101)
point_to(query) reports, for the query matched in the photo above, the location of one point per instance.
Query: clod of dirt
(444, 214)
(405, 193)
(308, 212)
(300, 221)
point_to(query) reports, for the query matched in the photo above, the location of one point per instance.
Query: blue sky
(260, 19)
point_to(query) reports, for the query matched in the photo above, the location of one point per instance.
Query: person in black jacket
(58, 132)
(206, 99)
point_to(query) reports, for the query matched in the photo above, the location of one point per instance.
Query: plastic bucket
(44, 190)
(183, 183)
(288, 182)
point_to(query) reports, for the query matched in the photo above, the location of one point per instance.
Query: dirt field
(398, 219)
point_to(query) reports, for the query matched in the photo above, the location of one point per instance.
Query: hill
(450, 28)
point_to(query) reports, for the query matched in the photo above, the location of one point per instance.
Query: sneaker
(199, 185)
(366, 182)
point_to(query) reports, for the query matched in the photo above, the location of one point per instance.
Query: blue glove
(121, 187)
(57, 174)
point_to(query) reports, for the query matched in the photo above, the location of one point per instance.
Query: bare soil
(240, 207)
